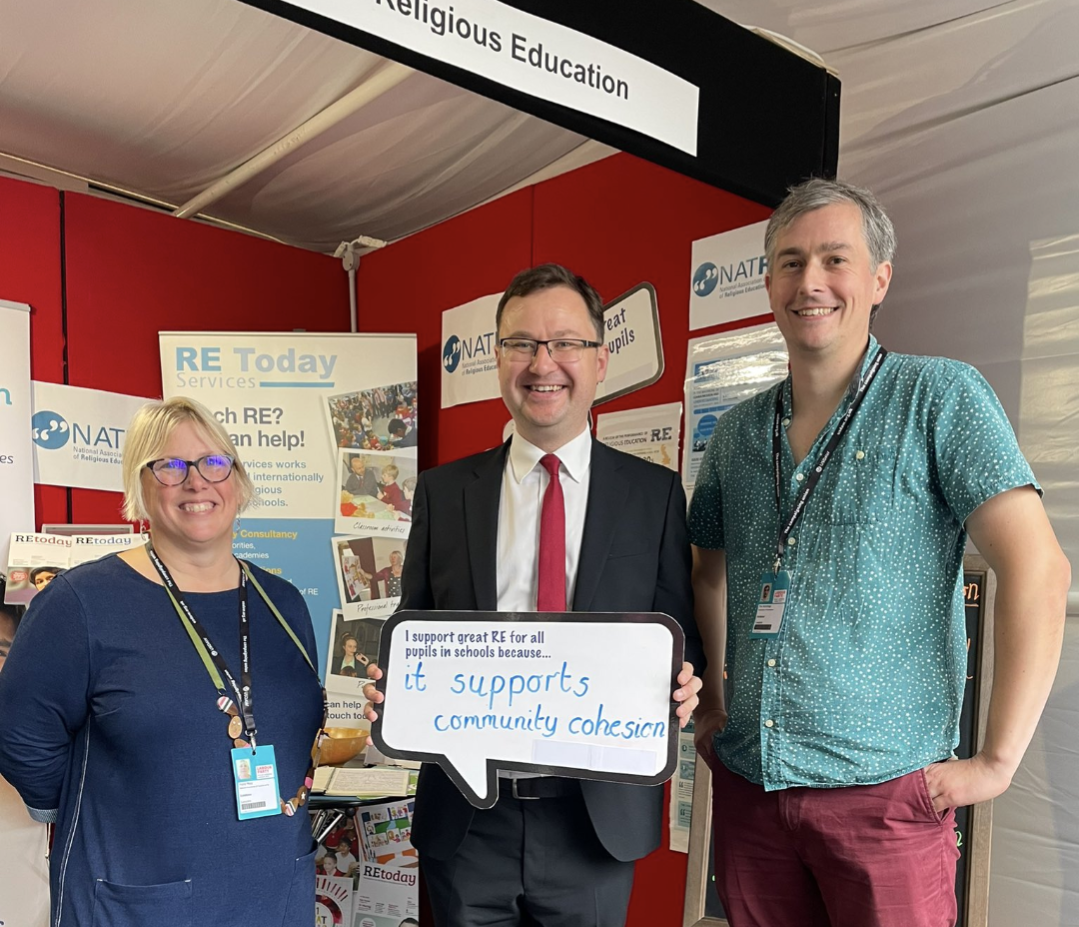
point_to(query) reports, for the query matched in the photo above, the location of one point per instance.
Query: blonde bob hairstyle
(150, 431)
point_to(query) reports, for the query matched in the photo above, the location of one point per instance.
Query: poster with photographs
(376, 490)
(369, 569)
(344, 671)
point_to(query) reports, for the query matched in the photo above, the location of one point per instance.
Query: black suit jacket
(634, 558)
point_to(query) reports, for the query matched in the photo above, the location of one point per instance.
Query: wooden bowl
(343, 744)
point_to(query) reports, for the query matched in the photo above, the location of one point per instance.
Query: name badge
(255, 775)
(775, 593)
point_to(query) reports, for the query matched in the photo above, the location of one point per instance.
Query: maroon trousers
(857, 856)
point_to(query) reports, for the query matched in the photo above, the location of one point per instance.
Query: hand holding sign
(585, 695)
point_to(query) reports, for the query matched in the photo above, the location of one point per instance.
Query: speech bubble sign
(578, 694)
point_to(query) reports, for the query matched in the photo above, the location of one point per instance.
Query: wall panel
(133, 272)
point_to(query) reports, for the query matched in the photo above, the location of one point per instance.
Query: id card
(775, 589)
(255, 775)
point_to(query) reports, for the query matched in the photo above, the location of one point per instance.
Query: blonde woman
(124, 718)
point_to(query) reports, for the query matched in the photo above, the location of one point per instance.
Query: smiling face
(822, 284)
(549, 401)
(196, 514)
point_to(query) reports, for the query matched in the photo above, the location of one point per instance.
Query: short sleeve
(706, 507)
(43, 696)
(976, 452)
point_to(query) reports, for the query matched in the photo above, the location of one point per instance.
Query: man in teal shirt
(829, 521)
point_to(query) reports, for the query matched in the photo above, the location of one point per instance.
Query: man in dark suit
(552, 851)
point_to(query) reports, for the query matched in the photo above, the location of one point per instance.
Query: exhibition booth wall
(112, 276)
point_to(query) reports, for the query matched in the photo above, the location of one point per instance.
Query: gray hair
(816, 193)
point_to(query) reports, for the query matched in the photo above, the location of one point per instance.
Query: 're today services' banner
(298, 406)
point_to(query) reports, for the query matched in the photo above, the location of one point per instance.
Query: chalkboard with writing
(973, 824)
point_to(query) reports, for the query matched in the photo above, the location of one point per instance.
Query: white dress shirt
(524, 482)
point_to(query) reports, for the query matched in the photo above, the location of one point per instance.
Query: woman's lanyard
(212, 660)
(822, 462)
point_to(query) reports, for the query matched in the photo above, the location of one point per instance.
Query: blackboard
(973, 824)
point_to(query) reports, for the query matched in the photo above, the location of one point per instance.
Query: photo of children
(334, 855)
(376, 492)
(378, 419)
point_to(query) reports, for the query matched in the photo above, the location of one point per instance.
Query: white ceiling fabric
(162, 99)
(963, 115)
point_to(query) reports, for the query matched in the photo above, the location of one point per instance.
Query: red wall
(617, 222)
(103, 278)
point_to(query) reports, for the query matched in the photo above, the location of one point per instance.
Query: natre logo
(51, 431)
(451, 353)
(705, 279)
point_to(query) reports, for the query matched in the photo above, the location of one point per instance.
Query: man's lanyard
(822, 462)
(211, 657)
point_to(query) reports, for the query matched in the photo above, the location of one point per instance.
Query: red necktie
(551, 596)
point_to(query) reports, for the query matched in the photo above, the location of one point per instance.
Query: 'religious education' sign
(578, 694)
(535, 56)
(673, 82)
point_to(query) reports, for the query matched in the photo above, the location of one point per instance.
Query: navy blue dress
(110, 722)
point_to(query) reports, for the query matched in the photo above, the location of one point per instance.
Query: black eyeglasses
(172, 471)
(561, 350)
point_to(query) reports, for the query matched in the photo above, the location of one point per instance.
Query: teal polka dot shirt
(865, 680)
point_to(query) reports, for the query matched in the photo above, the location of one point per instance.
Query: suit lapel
(481, 527)
(608, 490)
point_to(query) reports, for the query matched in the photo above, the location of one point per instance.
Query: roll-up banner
(24, 865)
(301, 408)
(16, 457)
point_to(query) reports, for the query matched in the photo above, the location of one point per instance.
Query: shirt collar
(575, 455)
(870, 353)
(867, 359)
